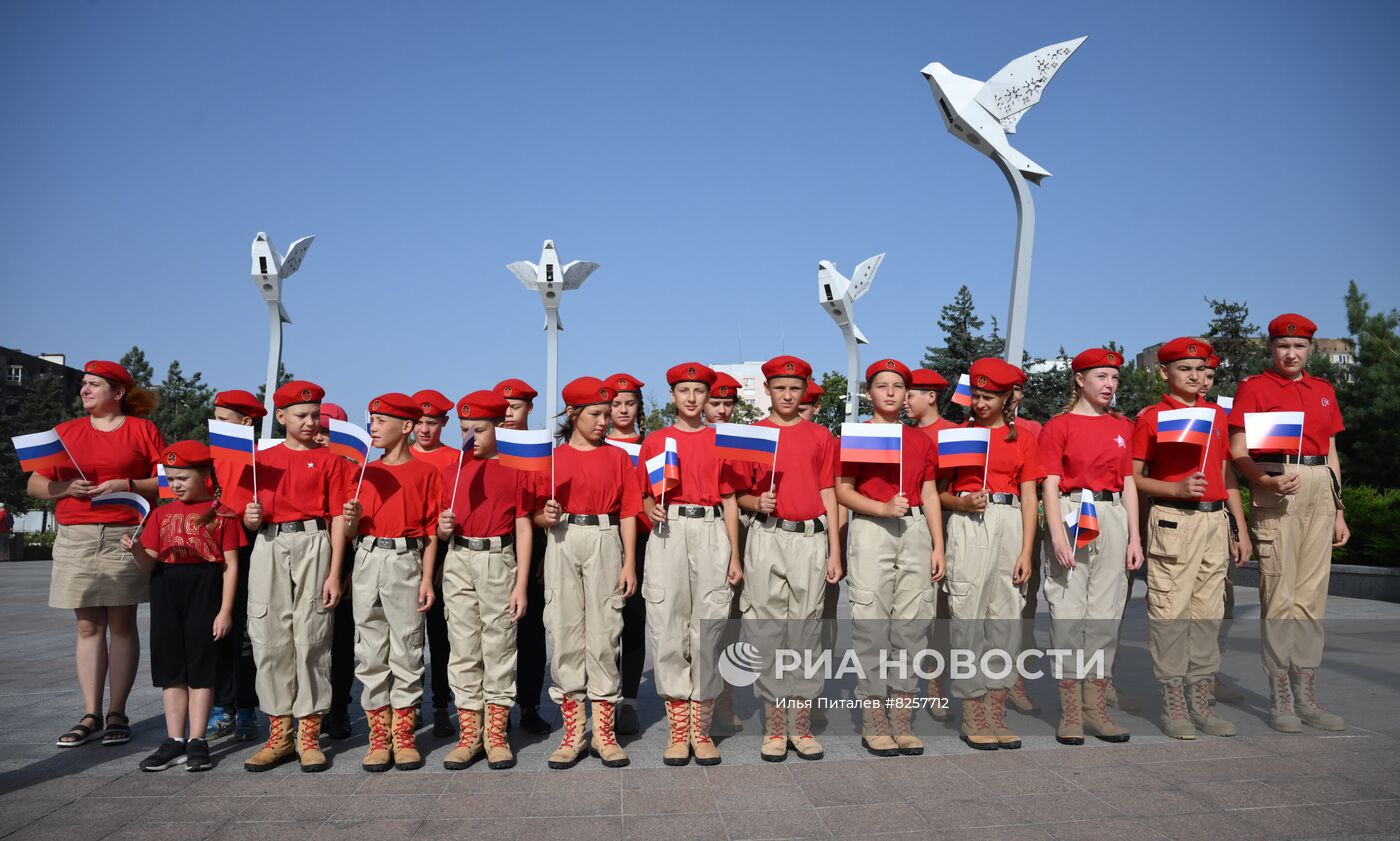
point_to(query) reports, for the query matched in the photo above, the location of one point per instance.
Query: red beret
(329, 412)
(813, 393)
(887, 365)
(482, 405)
(786, 366)
(585, 391)
(624, 382)
(1097, 357)
(690, 372)
(994, 374)
(396, 405)
(1290, 325)
(243, 402)
(514, 389)
(297, 391)
(109, 371)
(432, 402)
(1184, 347)
(186, 454)
(1212, 362)
(926, 379)
(725, 386)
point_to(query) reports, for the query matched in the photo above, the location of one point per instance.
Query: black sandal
(81, 732)
(117, 734)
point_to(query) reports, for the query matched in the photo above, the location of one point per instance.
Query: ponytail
(137, 401)
(208, 516)
(1008, 414)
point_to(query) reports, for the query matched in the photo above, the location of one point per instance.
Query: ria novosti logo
(740, 664)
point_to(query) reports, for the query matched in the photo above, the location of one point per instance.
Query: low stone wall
(1348, 580)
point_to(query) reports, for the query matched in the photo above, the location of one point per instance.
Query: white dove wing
(292, 261)
(864, 275)
(527, 272)
(1020, 84)
(577, 272)
(831, 284)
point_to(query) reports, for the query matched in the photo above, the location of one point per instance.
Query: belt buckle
(384, 543)
(478, 544)
(790, 525)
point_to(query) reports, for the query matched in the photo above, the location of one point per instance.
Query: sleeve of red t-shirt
(1145, 435)
(1246, 400)
(827, 474)
(432, 502)
(1337, 425)
(1052, 448)
(1125, 457)
(631, 493)
(1032, 468)
(930, 463)
(231, 536)
(735, 477)
(523, 497)
(153, 445)
(150, 534)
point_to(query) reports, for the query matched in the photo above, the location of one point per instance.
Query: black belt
(693, 511)
(590, 519)
(297, 525)
(913, 509)
(1098, 496)
(482, 544)
(1003, 499)
(1190, 505)
(1288, 458)
(409, 544)
(790, 525)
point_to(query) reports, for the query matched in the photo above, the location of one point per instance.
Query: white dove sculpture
(270, 268)
(550, 279)
(982, 114)
(837, 295)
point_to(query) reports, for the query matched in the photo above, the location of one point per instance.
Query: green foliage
(1138, 388)
(185, 406)
(38, 545)
(963, 339)
(1235, 341)
(46, 404)
(1047, 387)
(831, 406)
(1370, 396)
(659, 416)
(1373, 516)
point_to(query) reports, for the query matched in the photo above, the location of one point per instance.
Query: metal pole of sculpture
(982, 114)
(270, 268)
(551, 281)
(837, 295)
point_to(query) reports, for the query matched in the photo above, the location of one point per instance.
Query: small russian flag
(1226, 403)
(964, 446)
(231, 442)
(524, 449)
(1185, 426)
(1084, 520)
(135, 502)
(664, 469)
(41, 450)
(872, 443)
(1273, 430)
(633, 450)
(742, 442)
(962, 394)
(163, 482)
(349, 440)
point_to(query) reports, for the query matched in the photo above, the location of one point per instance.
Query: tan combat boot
(677, 750)
(1019, 700)
(468, 741)
(1120, 700)
(1202, 713)
(902, 724)
(1282, 716)
(1071, 729)
(936, 710)
(571, 743)
(976, 726)
(726, 717)
(405, 741)
(701, 715)
(875, 730)
(1304, 684)
(775, 742)
(605, 745)
(996, 703)
(1097, 722)
(1176, 719)
(498, 752)
(309, 744)
(278, 748)
(800, 733)
(1224, 692)
(378, 758)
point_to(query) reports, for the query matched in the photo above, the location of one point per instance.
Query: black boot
(531, 722)
(338, 724)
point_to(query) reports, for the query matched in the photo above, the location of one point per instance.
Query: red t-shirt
(235, 485)
(598, 481)
(705, 479)
(439, 458)
(931, 430)
(174, 535)
(302, 484)
(400, 500)
(488, 498)
(1031, 426)
(919, 455)
(1273, 392)
(1173, 462)
(1009, 463)
(131, 451)
(1088, 451)
(806, 466)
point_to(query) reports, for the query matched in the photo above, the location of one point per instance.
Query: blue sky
(707, 155)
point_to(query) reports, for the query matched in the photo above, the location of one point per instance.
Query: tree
(1370, 396)
(1047, 387)
(1235, 341)
(184, 408)
(964, 342)
(134, 361)
(45, 405)
(831, 406)
(659, 416)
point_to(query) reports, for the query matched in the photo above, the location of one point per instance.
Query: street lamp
(270, 268)
(982, 114)
(551, 281)
(837, 295)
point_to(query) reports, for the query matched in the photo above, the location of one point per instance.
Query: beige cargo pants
(288, 625)
(688, 600)
(388, 626)
(1187, 554)
(984, 605)
(476, 588)
(893, 600)
(784, 590)
(583, 611)
(1086, 603)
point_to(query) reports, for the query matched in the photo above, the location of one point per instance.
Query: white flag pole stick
(70, 455)
(1206, 452)
(255, 466)
(361, 483)
(452, 506)
(773, 477)
(899, 489)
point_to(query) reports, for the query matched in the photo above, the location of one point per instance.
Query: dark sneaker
(197, 755)
(338, 724)
(171, 752)
(442, 723)
(245, 725)
(531, 722)
(627, 722)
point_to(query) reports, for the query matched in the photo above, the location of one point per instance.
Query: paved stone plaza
(1258, 785)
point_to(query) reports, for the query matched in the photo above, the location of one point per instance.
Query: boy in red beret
(811, 397)
(392, 521)
(724, 396)
(428, 446)
(294, 582)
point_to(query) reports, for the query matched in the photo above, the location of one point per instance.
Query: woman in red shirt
(627, 429)
(589, 570)
(116, 449)
(991, 534)
(1087, 448)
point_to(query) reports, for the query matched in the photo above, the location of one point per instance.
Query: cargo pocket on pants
(862, 602)
(958, 592)
(1159, 601)
(653, 594)
(1266, 549)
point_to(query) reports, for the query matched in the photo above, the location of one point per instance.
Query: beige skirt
(91, 569)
